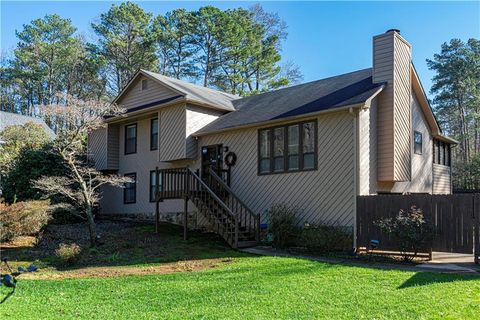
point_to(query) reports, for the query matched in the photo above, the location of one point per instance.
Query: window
(153, 183)
(131, 138)
(287, 148)
(293, 147)
(130, 190)
(279, 149)
(417, 142)
(264, 146)
(442, 153)
(144, 84)
(154, 134)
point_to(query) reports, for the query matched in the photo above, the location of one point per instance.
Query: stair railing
(246, 217)
(183, 182)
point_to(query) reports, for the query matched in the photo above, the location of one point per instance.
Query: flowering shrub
(68, 254)
(410, 230)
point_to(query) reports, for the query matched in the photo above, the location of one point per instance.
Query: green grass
(253, 288)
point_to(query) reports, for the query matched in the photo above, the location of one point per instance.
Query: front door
(212, 157)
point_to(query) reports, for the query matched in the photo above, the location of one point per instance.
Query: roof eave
(274, 121)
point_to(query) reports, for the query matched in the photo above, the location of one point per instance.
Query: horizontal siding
(324, 195)
(442, 183)
(135, 96)
(141, 163)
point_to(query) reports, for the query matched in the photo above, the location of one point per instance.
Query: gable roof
(321, 95)
(190, 92)
(9, 119)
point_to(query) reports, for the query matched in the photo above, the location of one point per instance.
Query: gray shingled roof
(343, 90)
(8, 119)
(214, 98)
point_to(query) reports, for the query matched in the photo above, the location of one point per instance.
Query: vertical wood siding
(113, 146)
(135, 96)
(173, 133)
(324, 195)
(442, 183)
(97, 148)
(367, 168)
(421, 164)
(197, 118)
(391, 64)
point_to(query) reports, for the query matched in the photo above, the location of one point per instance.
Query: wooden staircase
(227, 214)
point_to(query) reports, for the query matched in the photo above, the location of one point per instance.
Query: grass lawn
(249, 287)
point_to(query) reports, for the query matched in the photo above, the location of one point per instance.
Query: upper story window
(442, 153)
(417, 142)
(154, 134)
(131, 138)
(287, 148)
(144, 84)
(130, 190)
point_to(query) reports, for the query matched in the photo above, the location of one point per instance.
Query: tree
(174, 33)
(207, 37)
(49, 58)
(16, 139)
(457, 94)
(82, 183)
(125, 43)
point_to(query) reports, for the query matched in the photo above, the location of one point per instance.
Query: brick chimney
(392, 66)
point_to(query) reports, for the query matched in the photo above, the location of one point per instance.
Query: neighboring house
(316, 145)
(10, 119)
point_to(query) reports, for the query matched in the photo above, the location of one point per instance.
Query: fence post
(476, 228)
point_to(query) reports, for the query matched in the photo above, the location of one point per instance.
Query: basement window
(418, 142)
(287, 148)
(130, 190)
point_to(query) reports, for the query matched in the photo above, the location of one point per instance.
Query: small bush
(283, 225)
(321, 238)
(23, 218)
(68, 254)
(410, 229)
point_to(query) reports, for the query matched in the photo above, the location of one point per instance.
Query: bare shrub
(68, 254)
(283, 225)
(323, 238)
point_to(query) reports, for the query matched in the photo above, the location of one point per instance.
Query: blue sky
(325, 38)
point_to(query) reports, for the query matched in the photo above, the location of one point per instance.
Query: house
(10, 119)
(318, 145)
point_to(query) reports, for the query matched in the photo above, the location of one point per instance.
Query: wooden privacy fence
(456, 219)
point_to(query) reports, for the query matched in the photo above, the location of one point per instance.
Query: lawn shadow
(428, 278)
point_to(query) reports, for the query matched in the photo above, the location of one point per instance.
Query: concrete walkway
(457, 262)
(442, 262)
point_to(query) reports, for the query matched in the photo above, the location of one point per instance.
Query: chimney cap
(393, 30)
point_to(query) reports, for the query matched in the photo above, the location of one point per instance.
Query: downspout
(356, 148)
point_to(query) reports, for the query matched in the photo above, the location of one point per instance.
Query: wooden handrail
(230, 191)
(212, 194)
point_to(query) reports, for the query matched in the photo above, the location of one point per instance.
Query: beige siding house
(316, 146)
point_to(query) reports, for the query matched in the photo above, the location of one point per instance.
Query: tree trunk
(91, 225)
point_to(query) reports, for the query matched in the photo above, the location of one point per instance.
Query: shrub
(23, 218)
(283, 225)
(68, 254)
(410, 229)
(322, 238)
